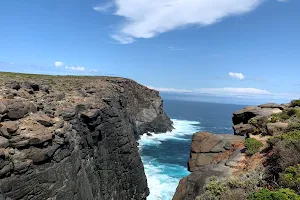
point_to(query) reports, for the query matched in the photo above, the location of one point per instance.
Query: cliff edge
(260, 161)
(74, 137)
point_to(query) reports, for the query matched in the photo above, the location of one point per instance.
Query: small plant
(252, 146)
(282, 194)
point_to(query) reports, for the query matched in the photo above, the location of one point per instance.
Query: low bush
(295, 103)
(235, 194)
(286, 152)
(249, 182)
(292, 136)
(278, 117)
(282, 194)
(252, 146)
(214, 189)
(291, 178)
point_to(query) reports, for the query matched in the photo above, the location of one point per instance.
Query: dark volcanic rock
(87, 149)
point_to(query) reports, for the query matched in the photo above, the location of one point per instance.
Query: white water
(163, 178)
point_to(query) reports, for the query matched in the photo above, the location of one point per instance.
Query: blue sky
(242, 50)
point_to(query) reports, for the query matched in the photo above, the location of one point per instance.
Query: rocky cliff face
(74, 137)
(224, 155)
(211, 155)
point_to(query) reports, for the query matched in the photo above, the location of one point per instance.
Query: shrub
(250, 181)
(291, 136)
(213, 189)
(282, 194)
(279, 117)
(295, 103)
(291, 178)
(293, 126)
(235, 194)
(286, 152)
(252, 146)
(216, 186)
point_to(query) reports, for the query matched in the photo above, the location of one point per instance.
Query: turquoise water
(165, 155)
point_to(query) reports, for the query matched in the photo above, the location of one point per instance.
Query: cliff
(74, 137)
(261, 161)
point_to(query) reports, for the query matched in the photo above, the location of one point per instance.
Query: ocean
(165, 155)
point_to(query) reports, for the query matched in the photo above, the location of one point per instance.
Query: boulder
(276, 128)
(3, 142)
(243, 129)
(4, 133)
(18, 109)
(245, 114)
(3, 108)
(204, 142)
(43, 119)
(10, 126)
(206, 147)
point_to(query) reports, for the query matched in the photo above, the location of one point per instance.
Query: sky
(238, 51)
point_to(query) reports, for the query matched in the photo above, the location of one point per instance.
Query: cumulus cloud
(237, 75)
(75, 68)
(58, 64)
(148, 18)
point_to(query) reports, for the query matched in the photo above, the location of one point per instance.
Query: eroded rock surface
(211, 155)
(75, 137)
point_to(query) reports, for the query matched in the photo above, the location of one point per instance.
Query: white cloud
(104, 7)
(58, 64)
(237, 75)
(225, 91)
(123, 39)
(170, 89)
(75, 68)
(233, 91)
(148, 18)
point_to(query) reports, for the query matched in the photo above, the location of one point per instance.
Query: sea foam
(163, 178)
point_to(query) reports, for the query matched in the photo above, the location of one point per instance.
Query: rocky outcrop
(244, 115)
(211, 155)
(75, 137)
(276, 128)
(253, 119)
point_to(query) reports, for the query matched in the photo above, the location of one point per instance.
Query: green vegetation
(281, 194)
(278, 117)
(214, 189)
(295, 103)
(237, 188)
(285, 115)
(291, 178)
(291, 136)
(252, 146)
